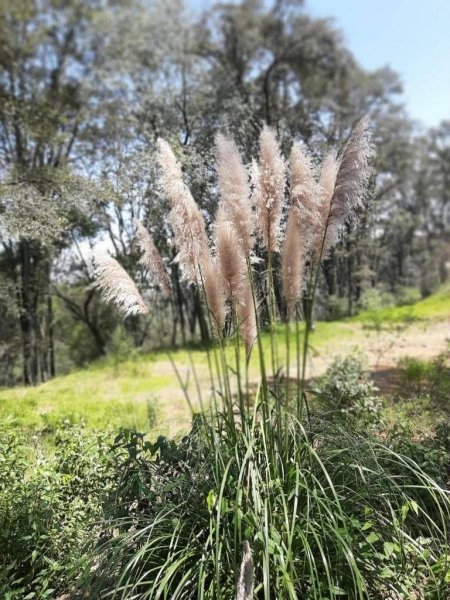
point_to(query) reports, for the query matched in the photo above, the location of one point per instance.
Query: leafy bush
(49, 505)
(346, 391)
(327, 514)
(407, 295)
(431, 453)
(374, 298)
(336, 308)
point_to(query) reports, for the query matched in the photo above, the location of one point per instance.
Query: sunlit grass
(143, 391)
(434, 306)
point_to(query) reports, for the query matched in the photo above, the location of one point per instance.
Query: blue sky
(412, 36)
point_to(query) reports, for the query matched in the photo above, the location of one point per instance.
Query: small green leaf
(389, 548)
(387, 573)
(372, 538)
(414, 506)
(405, 511)
(338, 591)
(211, 500)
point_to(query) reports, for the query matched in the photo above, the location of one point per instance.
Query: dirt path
(423, 340)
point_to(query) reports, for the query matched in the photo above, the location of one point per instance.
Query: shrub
(373, 298)
(336, 307)
(347, 392)
(432, 453)
(48, 508)
(407, 295)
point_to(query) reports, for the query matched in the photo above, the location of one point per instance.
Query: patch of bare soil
(384, 349)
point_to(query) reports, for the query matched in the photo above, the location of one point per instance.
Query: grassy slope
(433, 307)
(144, 389)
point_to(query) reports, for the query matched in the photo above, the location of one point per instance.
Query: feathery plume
(185, 217)
(269, 190)
(116, 285)
(151, 258)
(231, 260)
(327, 183)
(293, 264)
(351, 183)
(234, 275)
(246, 316)
(304, 217)
(215, 298)
(304, 192)
(235, 190)
(245, 583)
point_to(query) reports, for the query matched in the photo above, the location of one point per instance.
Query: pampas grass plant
(259, 502)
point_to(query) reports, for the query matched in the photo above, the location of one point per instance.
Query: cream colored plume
(235, 278)
(305, 196)
(293, 265)
(327, 183)
(246, 316)
(234, 190)
(246, 579)
(233, 267)
(269, 190)
(352, 180)
(213, 286)
(185, 218)
(116, 285)
(151, 258)
(304, 219)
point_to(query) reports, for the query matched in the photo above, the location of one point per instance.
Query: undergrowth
(327, 513)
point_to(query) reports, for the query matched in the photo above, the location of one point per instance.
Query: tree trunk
(179, 303)
(28, 317)
(51, 341)
(200, 314)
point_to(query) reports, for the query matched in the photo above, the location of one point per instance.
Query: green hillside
(143, 391)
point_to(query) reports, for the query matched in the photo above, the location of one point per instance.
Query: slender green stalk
(183, 384)
(237, 353)
(288, 361)
(273, 343)
(262, 365)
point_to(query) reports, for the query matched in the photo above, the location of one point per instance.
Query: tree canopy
(86, 89)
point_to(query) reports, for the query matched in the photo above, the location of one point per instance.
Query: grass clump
(262, 492)
(426, 378)
(326, 514)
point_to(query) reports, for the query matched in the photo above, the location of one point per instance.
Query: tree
(46, 52)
